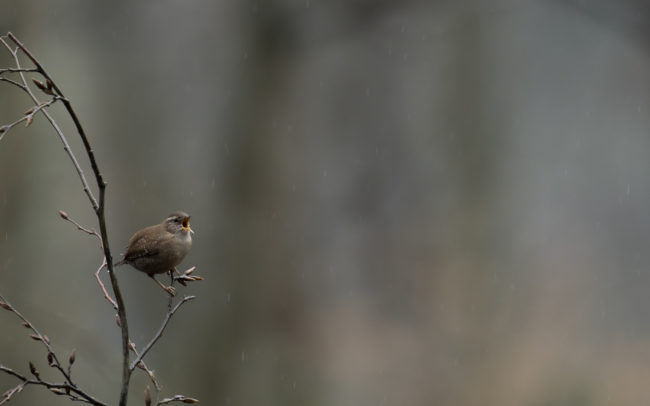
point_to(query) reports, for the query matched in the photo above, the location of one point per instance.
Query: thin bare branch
(14, 70)
(68, 388)
(160, 331)
(13, 82)
(93, 232)
(178, 398)
(12, 372)
(141, 365)
(37, 336)
(69, 384)
(27, 117)
(98, 206)
(65, 388)
(66, 145)
(103, 288)
(90, 231)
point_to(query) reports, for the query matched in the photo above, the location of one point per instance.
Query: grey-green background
(395, 202)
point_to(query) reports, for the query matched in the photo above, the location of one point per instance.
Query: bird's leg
(171, 284)
(177, 271)
(168, 289)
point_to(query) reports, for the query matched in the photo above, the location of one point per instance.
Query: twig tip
(147, 396)
(73, 356)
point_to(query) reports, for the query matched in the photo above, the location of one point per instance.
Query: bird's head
(178, 222)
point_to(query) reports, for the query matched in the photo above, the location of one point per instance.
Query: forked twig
(68, 386)
(39, 69)
(103, 288)
(93, 232)
(56, 388)
(160, 331)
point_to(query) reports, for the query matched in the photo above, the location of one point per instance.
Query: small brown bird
(158, 249)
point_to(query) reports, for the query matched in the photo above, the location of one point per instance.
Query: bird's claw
(187, 277)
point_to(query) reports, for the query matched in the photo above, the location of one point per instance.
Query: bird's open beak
(186, 225)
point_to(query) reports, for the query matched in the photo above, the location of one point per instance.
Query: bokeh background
(395, 202)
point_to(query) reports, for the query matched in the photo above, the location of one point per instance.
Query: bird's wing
(145, 244)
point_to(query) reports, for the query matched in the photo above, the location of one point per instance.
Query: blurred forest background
(395, 202)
